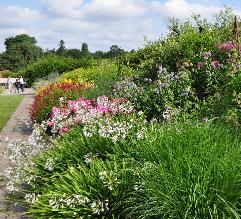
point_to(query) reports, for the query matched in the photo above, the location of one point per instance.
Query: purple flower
(200, 64)
(226, 47)
(215, 64)
(206, 55)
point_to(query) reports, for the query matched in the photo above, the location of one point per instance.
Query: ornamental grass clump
(167, 171)
(51, 95)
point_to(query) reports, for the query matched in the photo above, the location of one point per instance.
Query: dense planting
(50, 64)
(51, 96)
(153, 135)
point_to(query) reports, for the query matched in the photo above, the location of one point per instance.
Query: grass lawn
(8, 104)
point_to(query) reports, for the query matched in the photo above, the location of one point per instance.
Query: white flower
(49, 165)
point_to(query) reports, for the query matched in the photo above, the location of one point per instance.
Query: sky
(99, 23)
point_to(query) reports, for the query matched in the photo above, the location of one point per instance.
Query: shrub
(5, 74)
(161, 98)
(102, 76)
(52, 63)
(184, 42)
(45, 81)
(49, 96)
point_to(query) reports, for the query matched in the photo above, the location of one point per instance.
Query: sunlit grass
(8, 104)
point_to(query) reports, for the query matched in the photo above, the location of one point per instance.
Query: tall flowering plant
(216, 81)
(49, 96)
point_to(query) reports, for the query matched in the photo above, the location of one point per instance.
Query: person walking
(21, 83)
(17, 84)
(9, 85)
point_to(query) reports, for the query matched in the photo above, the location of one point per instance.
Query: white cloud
(70, 8)
(16, 17)
(110, 10)
(100, 23)
(183, 9)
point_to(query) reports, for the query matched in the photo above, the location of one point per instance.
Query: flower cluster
(57, 202)
(207, 59)
(95, 206)
(109, 179)
(155, 96)
(49, 96)
(227, 46)
(107, 128)
(31, 198)
(20, 155)
(86, 112)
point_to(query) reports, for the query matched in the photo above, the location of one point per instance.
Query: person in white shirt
(21, 82)
(10, 85)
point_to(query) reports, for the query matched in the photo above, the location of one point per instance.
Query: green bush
(184, 43)
(52, 63)
(102, 77)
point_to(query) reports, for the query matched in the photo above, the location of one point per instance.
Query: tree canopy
(20, 50)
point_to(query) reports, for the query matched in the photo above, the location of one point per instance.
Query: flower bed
(50, 96)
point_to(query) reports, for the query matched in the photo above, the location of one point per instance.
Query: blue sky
(100, 23)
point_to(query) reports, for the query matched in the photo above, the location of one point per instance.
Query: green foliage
(73, 53)
(184, 43)
(115, 51)
(45, 81)
(85, 49)
(103, 77)
(174, 171)
(6, 73)
(190, 174)
(205, 56)
(61, 50)
(20, 51)
(2, 89)
(52, 63)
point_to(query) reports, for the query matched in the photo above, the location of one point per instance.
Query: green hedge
(52, 63)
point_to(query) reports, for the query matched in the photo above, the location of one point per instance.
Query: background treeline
(22, 50)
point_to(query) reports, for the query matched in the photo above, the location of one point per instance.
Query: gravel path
(14, 129)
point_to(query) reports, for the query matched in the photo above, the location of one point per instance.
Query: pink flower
(63, 130)
(215, 64)
(50, 123)
(73, 105)
(200, 64)
(87, 104)
(102, 109)
(228, 46)
(54, 112)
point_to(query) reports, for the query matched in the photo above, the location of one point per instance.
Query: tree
(61, 50)
(20, 51)
(74, 53)
(85, 49)
(115, 51)
(99, 54)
